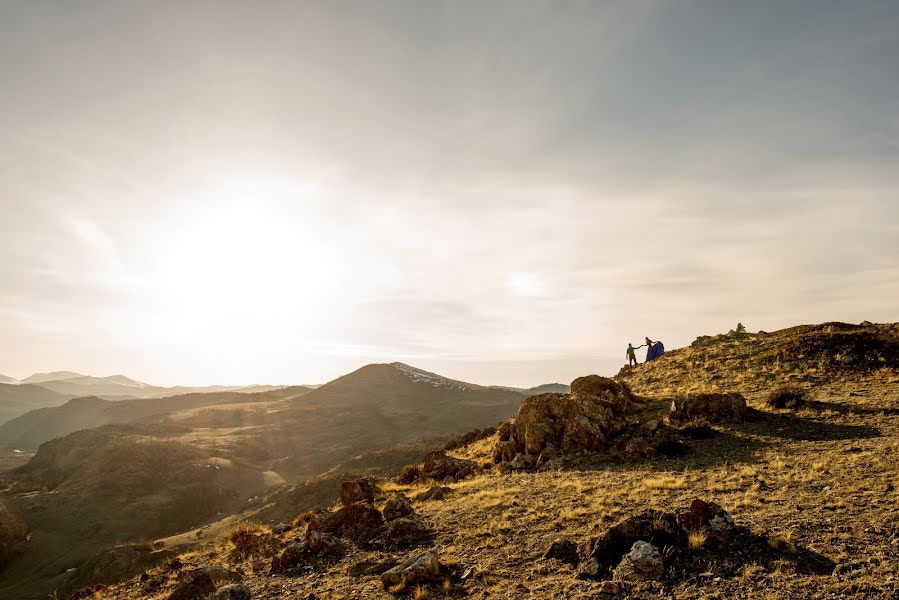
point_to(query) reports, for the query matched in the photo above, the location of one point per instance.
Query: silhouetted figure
(632, 355)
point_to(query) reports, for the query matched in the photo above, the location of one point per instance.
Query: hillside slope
(30, 430)
(17, 399)
(813, 493)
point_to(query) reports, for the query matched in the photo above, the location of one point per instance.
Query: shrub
(409, 474)
(787, 396)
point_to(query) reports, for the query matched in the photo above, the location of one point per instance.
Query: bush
(409, 474)
(787, 396)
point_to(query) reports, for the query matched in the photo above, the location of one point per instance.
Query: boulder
(316, 546)
(359, 522)
(203, 583)
(644, 561)
(437, 465)
(398, 506)
(357, 490)
(587, 419)
(419, 569)
(715, 408)
(705, 515)
(233, 591)
(437, 492)
(614, 394)
(405, 531)
(602, 554)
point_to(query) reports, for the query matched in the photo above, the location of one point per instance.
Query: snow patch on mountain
(426, 377)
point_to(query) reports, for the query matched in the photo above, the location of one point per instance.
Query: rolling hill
(17, 399)
(99, 483)
(810, 495)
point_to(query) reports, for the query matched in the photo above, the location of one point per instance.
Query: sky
(502, 192)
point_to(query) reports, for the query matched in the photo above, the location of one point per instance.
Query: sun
(244, 266)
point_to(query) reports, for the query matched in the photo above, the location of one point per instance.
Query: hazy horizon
(506, 193)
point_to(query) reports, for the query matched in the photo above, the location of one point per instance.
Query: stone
(705, 515)
(316, 546)
(398, 506)
(405, 531)
(282, 528)
(203, 582)
(715, 408)
(437, 492)
(564, 551)
(644, 561)
(358, 522)
(233, 591)
(367, 568)
(437, 465)
(419, 569)
(659, 526)
(357, 490)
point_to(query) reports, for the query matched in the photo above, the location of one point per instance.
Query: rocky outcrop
(359, 522)
(601, 557)
(590, 418)
(715, 408)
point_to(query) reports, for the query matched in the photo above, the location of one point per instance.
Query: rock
(359, 522)
(437, 492)
(367, 568)
(405, 531)
(643, 562)
(608, 391)
(398, 506)
(658, 526)
(282, 528)
(233, 591)
(564, 551)
(203, 582)
(358, 490)
(715, 408)
(437, 465)
(584, 420)
(419, 569)
(316, 546)
(705, 515)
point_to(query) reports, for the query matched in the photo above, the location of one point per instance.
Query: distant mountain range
(55, 388)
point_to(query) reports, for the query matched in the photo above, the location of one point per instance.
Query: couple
(654, 350)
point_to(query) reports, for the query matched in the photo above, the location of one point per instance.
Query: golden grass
(664, 482)
(697, 539)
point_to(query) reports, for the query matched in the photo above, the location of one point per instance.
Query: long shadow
(794, 427)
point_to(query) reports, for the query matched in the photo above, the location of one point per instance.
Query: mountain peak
(51, 376)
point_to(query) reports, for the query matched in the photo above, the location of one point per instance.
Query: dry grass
(664, 482)
(697, 539)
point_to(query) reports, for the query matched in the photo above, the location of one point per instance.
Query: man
(632, 355)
